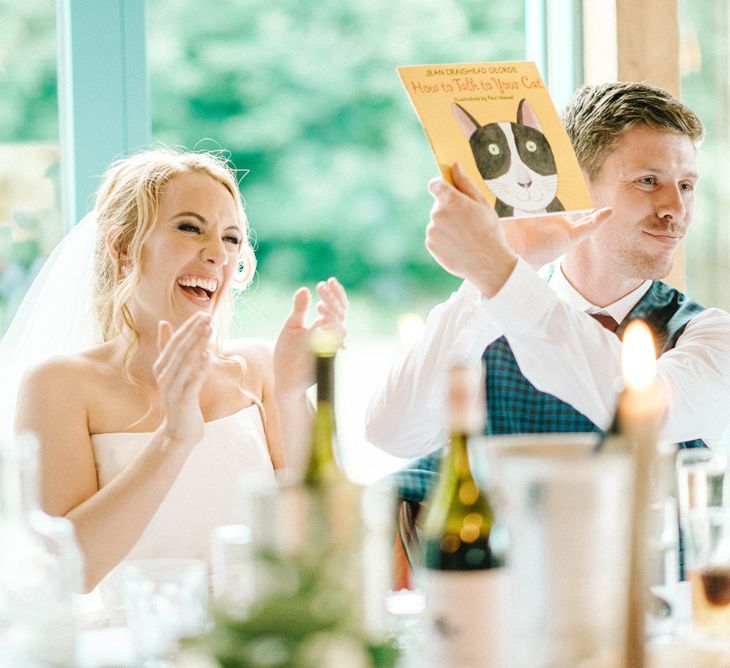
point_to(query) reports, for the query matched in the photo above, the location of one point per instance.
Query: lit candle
(641, 407)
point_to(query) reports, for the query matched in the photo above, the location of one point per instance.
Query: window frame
(103, 93)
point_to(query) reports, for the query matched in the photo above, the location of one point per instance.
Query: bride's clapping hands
(180, 370)
(332, 308)
(292, 358)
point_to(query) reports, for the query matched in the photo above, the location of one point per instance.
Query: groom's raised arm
(466, 237)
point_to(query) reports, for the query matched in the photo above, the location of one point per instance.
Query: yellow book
(499, 122)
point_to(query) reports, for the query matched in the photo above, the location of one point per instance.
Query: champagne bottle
(464, 578)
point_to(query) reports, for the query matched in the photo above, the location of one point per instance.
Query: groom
(552, 349)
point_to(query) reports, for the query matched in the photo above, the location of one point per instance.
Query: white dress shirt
(561, 351)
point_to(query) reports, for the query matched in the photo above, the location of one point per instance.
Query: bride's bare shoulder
(73, 372)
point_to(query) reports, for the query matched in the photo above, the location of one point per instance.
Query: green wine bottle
(464, 578)
(333, 497)
(322, 468)
(349, 530)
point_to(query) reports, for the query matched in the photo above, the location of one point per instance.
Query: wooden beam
(647, 35)
(634, 41)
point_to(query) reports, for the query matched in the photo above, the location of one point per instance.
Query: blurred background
(305, 98)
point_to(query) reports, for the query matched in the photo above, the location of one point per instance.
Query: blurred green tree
(305, 96)
(29, 109)
(28, 128)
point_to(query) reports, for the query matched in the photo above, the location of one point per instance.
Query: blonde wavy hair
(126, 210)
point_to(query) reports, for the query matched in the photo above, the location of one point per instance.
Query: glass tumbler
(164, 600)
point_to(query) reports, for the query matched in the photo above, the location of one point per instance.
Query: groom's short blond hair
(597, 117)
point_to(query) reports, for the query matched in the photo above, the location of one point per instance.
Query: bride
(144, 436)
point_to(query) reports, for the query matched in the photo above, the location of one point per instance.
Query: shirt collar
(618, 310)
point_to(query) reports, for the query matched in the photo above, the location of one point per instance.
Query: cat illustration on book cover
(515, 160)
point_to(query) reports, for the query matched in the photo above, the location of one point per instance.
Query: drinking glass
(662, 567)
(664, 608)
(404, 613)
(233, 568)
(164, 601)
(704, 502)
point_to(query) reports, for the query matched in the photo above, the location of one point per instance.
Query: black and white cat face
(515, 160)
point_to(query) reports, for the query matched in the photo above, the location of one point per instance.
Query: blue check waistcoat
(515, 406)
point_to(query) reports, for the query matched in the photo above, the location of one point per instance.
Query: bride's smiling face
(191, 255)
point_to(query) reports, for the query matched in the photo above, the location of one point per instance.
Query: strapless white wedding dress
(206, 494)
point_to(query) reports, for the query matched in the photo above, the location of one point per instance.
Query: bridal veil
(56, 316)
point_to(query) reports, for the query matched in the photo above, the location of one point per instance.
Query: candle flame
(638, 361)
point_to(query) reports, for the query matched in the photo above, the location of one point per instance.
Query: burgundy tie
(606, 320)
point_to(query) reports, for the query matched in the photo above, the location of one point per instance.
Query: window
(29, 155)
(706, 89)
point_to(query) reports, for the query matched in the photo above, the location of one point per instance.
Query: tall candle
(641, 407)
